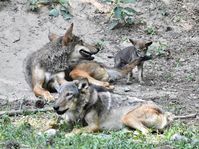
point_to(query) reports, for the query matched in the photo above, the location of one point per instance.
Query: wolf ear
(83, 84)
(148, 44)
(132, 41)
(68, 36)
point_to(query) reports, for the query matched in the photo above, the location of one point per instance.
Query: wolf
(101, 75)
(59, 55)
(130, 53)
(97, 110)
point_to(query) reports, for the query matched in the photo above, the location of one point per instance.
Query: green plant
(150, 31)
(63, 10)
(27, 136)
(122, 16)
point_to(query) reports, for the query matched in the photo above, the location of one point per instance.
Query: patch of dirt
(173, 83)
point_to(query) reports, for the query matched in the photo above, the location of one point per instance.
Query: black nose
(55, 108)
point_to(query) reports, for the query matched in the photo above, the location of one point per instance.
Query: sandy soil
(172, 83)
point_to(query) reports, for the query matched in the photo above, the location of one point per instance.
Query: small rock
(50, 132)
(178, 137)
(126, 89)
(182, 60)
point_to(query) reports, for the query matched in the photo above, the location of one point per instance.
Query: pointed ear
(83, 84)
(68, 36)
(148, 44)
(132, 41)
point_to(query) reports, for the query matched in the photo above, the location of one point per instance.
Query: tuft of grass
(150, 31)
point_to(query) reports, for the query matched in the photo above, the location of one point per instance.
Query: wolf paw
(47, 96)
(106, 84)
(110, 87)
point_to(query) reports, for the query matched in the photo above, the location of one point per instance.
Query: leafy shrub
(63, 10)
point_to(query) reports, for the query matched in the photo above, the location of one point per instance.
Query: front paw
(48, 96)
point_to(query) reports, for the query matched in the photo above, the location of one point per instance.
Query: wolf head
(73, 96)
(141, 46)
(81, 49)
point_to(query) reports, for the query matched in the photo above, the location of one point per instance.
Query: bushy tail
(118, 73)
(128, 68)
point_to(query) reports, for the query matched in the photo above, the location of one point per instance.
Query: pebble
(50, 132)
(178, 137)
(126, 89)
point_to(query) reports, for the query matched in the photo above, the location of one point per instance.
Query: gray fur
(125, 56)
(52, 57)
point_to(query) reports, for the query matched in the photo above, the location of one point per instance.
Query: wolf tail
(128, 68)
(118, 73)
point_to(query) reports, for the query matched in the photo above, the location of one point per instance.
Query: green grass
(27, 136)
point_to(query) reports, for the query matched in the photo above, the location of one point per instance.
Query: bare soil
(172, 83)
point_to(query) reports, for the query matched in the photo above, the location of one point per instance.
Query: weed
(35, 5)
(26, 135)
(178, 63)
(150, 31)
(121, 16)
(191, 77)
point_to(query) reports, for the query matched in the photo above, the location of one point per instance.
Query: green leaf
(118, 12)
(129, 11)
(113, 24)
(65, 13)
(33, 2)
(44, 1)
(129, 21)
(128, 1)
(63, 2)
(54, 12)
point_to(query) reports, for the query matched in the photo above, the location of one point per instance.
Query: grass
(22, 132)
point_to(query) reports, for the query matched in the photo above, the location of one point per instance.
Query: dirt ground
(173, 83)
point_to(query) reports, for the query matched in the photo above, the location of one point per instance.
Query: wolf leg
(129, 77)
(76, 74)
(132, 121)
(92, 120)
(38, 77)
(140, 73)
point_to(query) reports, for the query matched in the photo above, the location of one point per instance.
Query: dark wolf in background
(127, 55)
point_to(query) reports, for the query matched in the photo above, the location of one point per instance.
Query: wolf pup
(93, 105)
(58, 55)
(100, 75)
(128, 54)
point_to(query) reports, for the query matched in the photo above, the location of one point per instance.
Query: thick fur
(100, 111)
(62, 53)
(129, 54)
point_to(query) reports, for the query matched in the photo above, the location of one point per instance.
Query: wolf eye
(69, 94)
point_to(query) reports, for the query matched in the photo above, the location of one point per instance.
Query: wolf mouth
(87, 55)
(62, 112)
